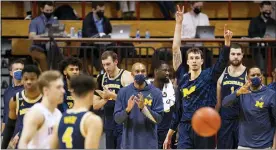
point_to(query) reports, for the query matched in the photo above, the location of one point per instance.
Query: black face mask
(100, 14)
(197, 10)
(48, 15)
(266, 14)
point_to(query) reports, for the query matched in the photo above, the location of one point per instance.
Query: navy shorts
(188, 139)
(113, 138)
(162, 136)
(228, 135)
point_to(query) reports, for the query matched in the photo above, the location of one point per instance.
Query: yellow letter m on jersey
(259, 104)
(187, 92)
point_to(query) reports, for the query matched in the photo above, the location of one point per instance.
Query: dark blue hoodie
(139, 132)
(257, 117)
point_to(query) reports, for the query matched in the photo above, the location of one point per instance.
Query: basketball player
(273, 84)
(15, 68)
(258, 106)
(79, 128)
(163, 82)
(40, 120)
(69, 67)
(232, 79)
(20, 104)
(139, 107)
(197, 88)
(112, 81)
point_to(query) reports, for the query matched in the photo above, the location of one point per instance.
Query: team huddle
(58, 109)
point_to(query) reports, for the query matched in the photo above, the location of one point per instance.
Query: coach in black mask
(257, 26)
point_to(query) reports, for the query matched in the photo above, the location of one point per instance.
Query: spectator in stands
(257, 26)
(128, 9)
(257, 29)
(95, 24)
(192, 19)
(37, 28)
(15, 68)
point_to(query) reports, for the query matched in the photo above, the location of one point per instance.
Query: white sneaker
(28, 17)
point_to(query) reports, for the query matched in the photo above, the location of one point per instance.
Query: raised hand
(227, 35)
(179, 14)
(244, 89)
(130, 103)
(140, 101)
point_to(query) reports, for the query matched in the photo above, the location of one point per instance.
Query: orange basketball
(206, 121)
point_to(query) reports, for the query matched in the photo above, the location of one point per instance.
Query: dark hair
(107, 54)
(31, 69)
(236, 46)
(17, 61)
(43, 4)
(69, 61)
(82, 84)
(47, 77)
(159, 65)
(97, 3)
(194, 50)
(249, 68)
(265, 3)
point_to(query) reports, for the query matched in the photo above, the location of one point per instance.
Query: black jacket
(89, 28)
(257, 26)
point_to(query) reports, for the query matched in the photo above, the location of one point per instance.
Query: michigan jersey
(113, 84)
(230, 84)
(23, 104)
(70, 130)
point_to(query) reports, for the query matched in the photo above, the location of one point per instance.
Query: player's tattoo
(177, 59)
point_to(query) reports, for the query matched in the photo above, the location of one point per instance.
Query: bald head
(138, 68)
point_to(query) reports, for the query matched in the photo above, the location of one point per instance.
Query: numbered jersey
(114, 85)
(229, 85)
(70, 130)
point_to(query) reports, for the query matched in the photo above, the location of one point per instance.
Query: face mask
(140, 79)
(47, 15)
(266, 15)
(197, 10)
(256, 82)
(100, 14)
(17, 74)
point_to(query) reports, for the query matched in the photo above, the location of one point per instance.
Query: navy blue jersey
(229, 85)
(257, 117)
(70, 130)
(68, 101)
(200, 92)
(113, 84)
(8, 94)
(23, 104)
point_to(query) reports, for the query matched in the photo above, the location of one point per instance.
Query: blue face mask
(256, 82)
(140, 79)
(17, 74)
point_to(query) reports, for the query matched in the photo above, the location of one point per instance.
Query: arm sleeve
(178, 110)
(32, 27)
(158, 108)
(120, 115)
(221, 63)
(7, 133)
(230, 99)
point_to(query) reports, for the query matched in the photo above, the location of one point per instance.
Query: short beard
(235, 64)
(164, 80)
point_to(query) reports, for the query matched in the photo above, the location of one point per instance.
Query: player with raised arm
(197, 89)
